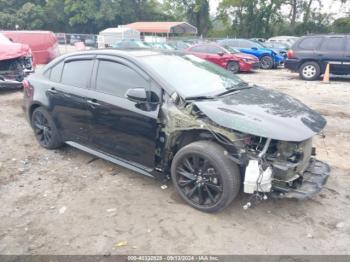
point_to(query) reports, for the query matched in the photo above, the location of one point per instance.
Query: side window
(310, 43)
(56, 72)
(77, 73)
(115, 79)
(347, 48)
(333, 44)
(199, 49)
(213, 50)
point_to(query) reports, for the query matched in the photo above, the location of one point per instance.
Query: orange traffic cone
(326, 75)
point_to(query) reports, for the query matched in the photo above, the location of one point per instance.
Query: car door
(332, 51)
(120, 127)
(199, 51)
(69, 84)
(215, 55)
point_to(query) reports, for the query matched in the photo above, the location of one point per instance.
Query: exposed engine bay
(13, 71)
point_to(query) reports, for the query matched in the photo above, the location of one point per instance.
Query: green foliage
(196, 12)
(341, 25)
(79, 16)
(235, 18)
(264, 18)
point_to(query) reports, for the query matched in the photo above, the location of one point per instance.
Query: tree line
(239, 18)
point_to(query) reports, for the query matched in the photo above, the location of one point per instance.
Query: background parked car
(311, 54)
(287, 40)
(179, 45)
(228, 58)
(278, 47)
(157, 45)
(268, 58)
(126, 44)
(15, 62)
(75, 39)
(91, 41)
(43, 44)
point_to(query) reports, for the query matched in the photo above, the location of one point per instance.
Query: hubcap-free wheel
(199, 181)
(42, 129)
(266, 62)
(233, 67)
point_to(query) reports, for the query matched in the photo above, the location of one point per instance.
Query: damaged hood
(13, 50)
(266, 113)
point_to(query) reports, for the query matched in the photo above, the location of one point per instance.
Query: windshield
(191, 76)
(230, 49)
(4, 39)
(258, 44)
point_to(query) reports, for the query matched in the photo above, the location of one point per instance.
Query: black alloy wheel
(44, 129)
(199, 180)
(205, 177)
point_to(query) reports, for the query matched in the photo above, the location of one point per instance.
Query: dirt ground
(67, 202)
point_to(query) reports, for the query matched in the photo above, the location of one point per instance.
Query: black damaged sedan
(174, 115)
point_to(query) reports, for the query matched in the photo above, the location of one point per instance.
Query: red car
(43, 44)
(226, 57)
(15, 63)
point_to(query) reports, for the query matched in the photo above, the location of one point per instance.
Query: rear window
(333, 44)
(310, 43)
(77, 73)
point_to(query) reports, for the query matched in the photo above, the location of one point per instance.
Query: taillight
(290, 53)
(28, 89)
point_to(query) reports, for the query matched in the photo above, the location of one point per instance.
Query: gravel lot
(68, 202)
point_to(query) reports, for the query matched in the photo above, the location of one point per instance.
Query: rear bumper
(312, 181)
(292, 64)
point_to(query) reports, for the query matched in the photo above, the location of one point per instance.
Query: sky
(329, 6)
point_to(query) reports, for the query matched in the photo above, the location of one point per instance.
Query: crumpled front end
(295, 172)
(13, 71)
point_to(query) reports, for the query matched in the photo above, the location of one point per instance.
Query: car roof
(127, 53)
(326, 35)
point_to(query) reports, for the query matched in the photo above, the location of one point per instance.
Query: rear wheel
(45, 130)
(205, 177)
(309, 71)
(266, 62)
(233, 67)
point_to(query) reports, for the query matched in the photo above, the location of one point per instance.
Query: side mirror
(254, 48)
(136, 95)
(221, 53)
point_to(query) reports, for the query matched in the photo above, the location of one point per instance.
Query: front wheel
(233, 67)
(205, 177)
(266, 62)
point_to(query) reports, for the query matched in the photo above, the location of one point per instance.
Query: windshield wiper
(199, 98)
(240, 86)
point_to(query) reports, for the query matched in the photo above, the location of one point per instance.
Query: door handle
(53, 90)
(93, 102)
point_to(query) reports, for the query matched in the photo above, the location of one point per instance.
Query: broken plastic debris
(111, 210)
(164, 187)
(62, 210)
(121, 244)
